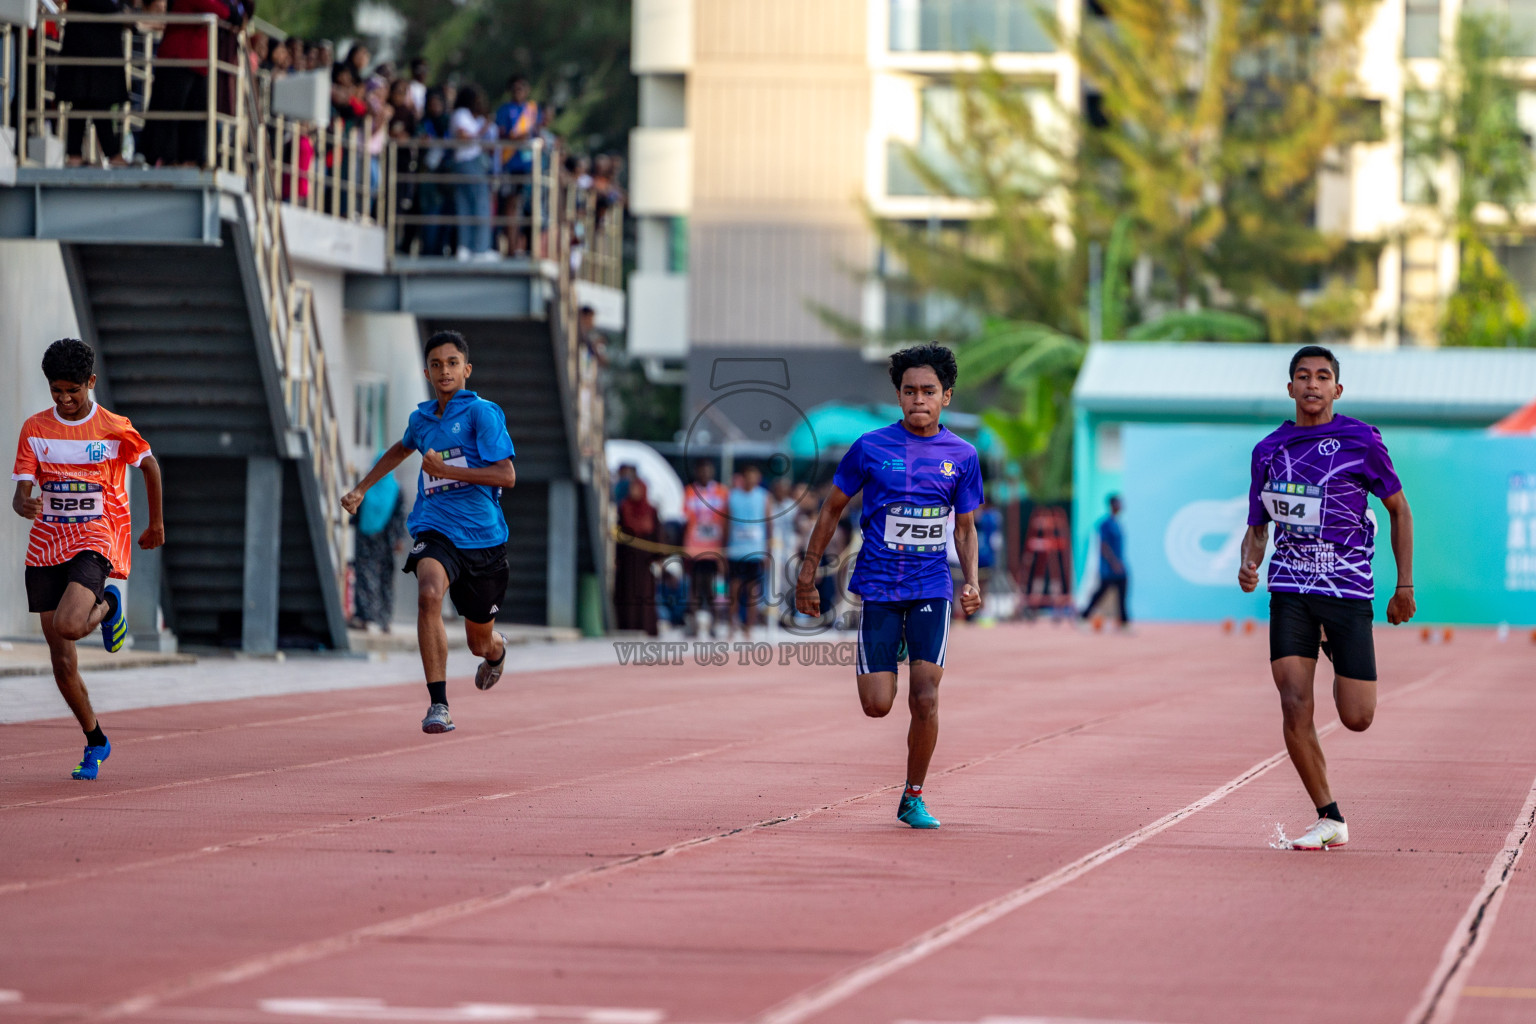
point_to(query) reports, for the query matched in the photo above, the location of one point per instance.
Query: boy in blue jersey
(458, 532)
(915, 475)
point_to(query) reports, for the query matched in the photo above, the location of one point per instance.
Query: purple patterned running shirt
(1313, 482)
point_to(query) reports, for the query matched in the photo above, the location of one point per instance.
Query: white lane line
(1438, 1003)
(378, 1009)
(372, 755)
(817, 998)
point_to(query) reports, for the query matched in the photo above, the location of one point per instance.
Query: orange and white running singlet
(81, 467)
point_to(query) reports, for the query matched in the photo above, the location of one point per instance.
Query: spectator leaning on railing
(184, 89)
(92, 88)
(470, 127)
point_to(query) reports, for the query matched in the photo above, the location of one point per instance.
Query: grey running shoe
(437, 719)
(487, 674)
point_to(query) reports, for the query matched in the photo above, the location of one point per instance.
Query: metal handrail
(38, 104)
(297, 348)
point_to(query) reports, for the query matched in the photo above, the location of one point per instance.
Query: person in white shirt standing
(471, 163)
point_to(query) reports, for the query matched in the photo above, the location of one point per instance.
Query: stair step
(121, 318)
(139, 294)
(140, 392)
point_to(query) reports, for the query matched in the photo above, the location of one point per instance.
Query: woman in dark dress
(634, 601)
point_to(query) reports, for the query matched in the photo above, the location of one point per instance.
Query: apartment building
(767, 130)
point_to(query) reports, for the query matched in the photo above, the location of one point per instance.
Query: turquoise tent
(835, 426)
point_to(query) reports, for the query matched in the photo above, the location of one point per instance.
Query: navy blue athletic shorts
(919, 629)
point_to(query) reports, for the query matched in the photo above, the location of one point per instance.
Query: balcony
(662, 37)
(960, 26)
(661, 162)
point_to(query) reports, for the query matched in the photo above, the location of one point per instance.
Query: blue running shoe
(914, 813)
(114, 628)
(90, 764)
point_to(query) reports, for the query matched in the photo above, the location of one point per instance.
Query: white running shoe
(1323, 835)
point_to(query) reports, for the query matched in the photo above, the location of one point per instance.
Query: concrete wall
(37, 309)
(778, 106)
(388, 346)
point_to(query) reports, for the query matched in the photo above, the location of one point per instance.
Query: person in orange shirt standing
(704, 506)
(78, 454)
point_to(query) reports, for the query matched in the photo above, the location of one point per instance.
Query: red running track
(644, 845)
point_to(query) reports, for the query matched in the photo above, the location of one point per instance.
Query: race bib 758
(916, 527)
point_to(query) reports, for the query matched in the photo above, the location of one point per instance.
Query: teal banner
(1473, 497)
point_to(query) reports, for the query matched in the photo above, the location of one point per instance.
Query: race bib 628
(916, 527)
(72, 501)
(1295, 507)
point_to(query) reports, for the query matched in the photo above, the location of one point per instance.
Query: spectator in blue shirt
(1113, 574)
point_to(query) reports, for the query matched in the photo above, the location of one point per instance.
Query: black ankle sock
(501, 659)
(95, 737)
(111, 599)
(439, 692)
(1331, 811)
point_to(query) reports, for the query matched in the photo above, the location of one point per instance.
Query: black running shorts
(46, 583)
(477, 577)
(1297, 622)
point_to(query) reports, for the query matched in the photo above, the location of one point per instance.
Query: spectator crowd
(465, 155)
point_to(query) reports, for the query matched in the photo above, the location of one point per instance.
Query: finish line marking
(1448, 984)
(828, 994)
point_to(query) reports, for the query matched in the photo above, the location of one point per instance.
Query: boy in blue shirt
(914, 474)
(748, 532)
(458, 531)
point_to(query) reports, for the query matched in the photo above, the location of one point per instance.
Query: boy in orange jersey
(78, 454)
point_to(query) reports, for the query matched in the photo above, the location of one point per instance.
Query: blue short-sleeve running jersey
(472, 432)
(911, 485)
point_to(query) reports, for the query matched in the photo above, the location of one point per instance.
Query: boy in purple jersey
(1311, 478)
(914, 474)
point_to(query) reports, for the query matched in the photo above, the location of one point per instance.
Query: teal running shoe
(90, 764)
(114, 628)
(914, 813)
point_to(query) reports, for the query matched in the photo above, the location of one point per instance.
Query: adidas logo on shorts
(926, 608)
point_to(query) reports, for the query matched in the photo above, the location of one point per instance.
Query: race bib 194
(1294, 507)
(435, 484)
(72, 501)
(916, 527)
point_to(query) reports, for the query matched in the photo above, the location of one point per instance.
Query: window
(958, 26)
(371, 405)
(677, 245)
(1421, 35)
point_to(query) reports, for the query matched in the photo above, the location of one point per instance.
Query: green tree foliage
(1469, 124)
(1221, 113)
(575, 52)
